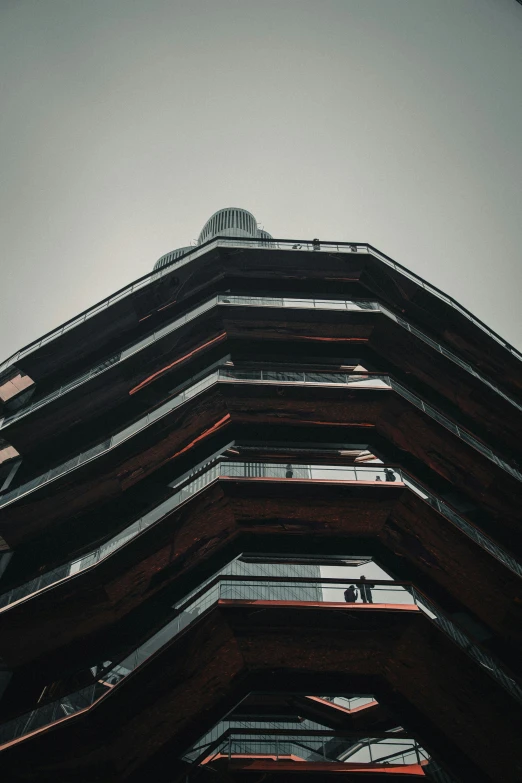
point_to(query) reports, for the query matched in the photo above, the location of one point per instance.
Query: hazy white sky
(125, 123)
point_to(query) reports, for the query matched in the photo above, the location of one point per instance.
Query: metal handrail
(107, 678)
(252, 301)
(228, 734)
(227, 374)
(195, 481)
(281, 244)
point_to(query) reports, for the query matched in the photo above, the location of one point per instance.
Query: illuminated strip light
(158, 373)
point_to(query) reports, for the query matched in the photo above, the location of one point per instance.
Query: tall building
(259, 520)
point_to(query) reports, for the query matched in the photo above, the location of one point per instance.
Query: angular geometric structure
(260, 520)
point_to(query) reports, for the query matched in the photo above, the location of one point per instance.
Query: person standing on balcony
(366, 591)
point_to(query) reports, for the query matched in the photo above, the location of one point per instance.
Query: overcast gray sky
(125, 124)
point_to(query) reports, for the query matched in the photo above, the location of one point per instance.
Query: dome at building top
(230, 222)
(169, 257)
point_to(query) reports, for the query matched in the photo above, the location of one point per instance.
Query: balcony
(235, 647)
(227, 374)
(138, 349)
(342, 595)
(335, 254)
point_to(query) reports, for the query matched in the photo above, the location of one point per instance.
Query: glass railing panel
(241, 243)
(240, 375)
(251, 589)
(121, 356)
(72, 703)
(251, 301)
(330, 304)
(309, 472)
(169, 631)
(95, 450)
(309, 304)
(136, 347)
(209, 741)
(57, 471)
(200, 386)
(240, 299)
(466, 527)
(463, 641)
(51, 713)
(197, 481)
(118, 541)
(433, 414)
(318, 746)
(291, 376)
(383, 751)
(323, 377)
(465, 436)
(369, 382)
(335, 473)
(86, 562)
(286, 376)
(34, 483)
(461, 433)
(117, 438)
(377, 472)
(315, 591)
(122, 435)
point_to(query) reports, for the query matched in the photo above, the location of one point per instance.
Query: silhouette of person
(366, 591)
(350, 595)
(390, 475)
(289, 471)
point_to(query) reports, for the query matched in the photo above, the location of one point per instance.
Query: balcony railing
(200, 477)
(246, 301)
(312, 744)
(290, 245)
(223, 374)
(277, 376)
(318, 746)
(384, 595)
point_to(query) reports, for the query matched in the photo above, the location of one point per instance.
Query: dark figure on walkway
(366, 591)
(316, 245)
(350, 595)
(378, 478)
(289, 471)
(390, 475)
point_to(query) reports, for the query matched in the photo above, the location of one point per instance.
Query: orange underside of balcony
(295, 765)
